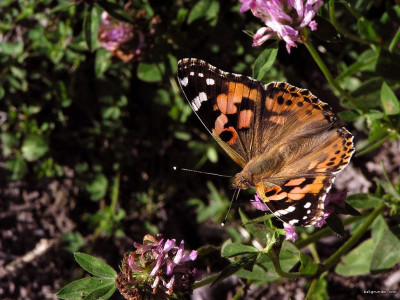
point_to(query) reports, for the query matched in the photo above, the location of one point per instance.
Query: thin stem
(205, 281)
(331, 261)
(275, 260)
(328, 74)
(311, 288)
(394, 41)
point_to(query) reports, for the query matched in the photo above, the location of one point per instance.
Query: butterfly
(283, 137)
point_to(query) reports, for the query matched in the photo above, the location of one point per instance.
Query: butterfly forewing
(281, 135)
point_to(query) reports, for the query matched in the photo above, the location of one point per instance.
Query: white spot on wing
(185, 81)
(200, 75)
(196, 102)
(210, 81)
(308, 212)
(294, 221)
(191, 73)
(285, 211)
(307, 205)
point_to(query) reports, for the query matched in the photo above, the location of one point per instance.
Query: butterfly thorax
(255, 171)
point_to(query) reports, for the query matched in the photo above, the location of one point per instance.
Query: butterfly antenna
(235, 196)
(201, 172)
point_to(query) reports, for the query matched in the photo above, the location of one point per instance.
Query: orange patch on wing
(296, 196)
(220, 123)
(254, 95)
(313, 188)
(279, 196)
(236, 91)
(245, 117)
(295, 182)
(234, 135)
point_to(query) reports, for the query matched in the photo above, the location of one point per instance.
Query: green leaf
(150, 72)
(102, 61)
(358, 261)
(326, 31)
(336, 224)
(364, 201)
(387, 246)
(83, 287)
(366, 61)
(307, 264)
(17, 167)
(234, 249)
(95, 266)
(246, 262)
(34, 147)
(264, 62)
(115, 10)
(366, 30)
(390, 103)
(98, 187)
(348, 115)
(207, 9)
(321, 290)
(212, 154)
(91, 26)
(9, 141)
(102, 293)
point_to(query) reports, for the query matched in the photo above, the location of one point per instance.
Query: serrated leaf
(265, 61)
(34, 147)
(95, 266)
(390, 103)
(91, 26)
(357, 262)
(83, 287)
(326, 31)
(336, 224)
(234, 249)
(387, 246)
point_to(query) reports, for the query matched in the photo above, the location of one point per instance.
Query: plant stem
(328, 74)
(205, 281)
(331, 261)
(311, 288)
(394, 41)
(275, 260)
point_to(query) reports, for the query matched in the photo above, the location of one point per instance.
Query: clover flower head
(158, 269)
(283, 19)
(291, 234)
(258, 203)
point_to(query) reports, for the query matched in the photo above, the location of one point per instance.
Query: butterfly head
(241, 181)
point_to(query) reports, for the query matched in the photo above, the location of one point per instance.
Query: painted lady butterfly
(282, 136)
